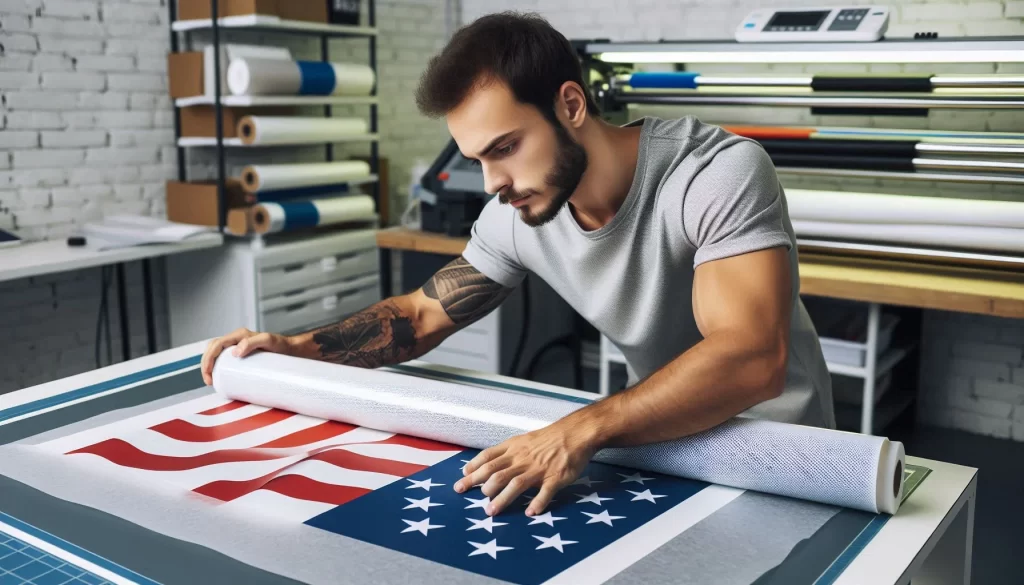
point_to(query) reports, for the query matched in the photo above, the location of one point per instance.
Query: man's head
(512, 91)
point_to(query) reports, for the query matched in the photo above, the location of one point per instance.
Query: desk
(929, 540)
(48, 257)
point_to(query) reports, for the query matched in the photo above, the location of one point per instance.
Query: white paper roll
(353, 79)
(278, 217)
(832, 467)
(256, 178)
(946, 236)
(253, 76)
(297, 130)
(838, 206)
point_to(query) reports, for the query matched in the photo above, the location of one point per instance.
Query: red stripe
(234, 404)
(127, 455)
(227, 490)
(320, 432)
(304, 488)
(185, 431)
(417, 443)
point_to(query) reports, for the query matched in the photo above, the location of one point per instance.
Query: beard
(570, 164)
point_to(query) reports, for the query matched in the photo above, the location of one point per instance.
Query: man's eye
(507, 149)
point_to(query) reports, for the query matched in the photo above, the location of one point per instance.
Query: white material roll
(838, 206)
(256, 178)
(254, 76)
(272, 217)
(946, 236)
(353, 79)
(839, 468)
(297, 130)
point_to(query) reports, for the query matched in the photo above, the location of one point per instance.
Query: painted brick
(120, 155)
(982, 425)
(105, 63)
(136, 82)
(70, 9)
(50, 62)
(67, 80)
(103, 101)
(40, 100)
(18, 139)
(138, 47)
(20, 6)
(995, 28)
(79, 120)
(980, 369)
(62, 27)
(158, 64)
(989, 352)
(158, 137)
(71, 46)
(74, 138)
(18, 79)
(34, 198)
(15, 62)
(36, 217)
(28, 159)
(1018, 376)
(130, 13)
(19, 43)
(40, 177)
(984, 406)
(1015, 9)
(72, 196)
(1000, 391)
(1018, 431)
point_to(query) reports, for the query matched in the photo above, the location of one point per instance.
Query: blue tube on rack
(664, 80)
(317, 78)
(300, 214)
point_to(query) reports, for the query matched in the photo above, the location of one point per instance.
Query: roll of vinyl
(267, 130)
(287, 216)
(844, 469)
(879, 208)
(945, 236)
(251, 76)
(256, 178)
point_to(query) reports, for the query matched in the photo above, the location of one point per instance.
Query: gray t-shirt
(699, 194)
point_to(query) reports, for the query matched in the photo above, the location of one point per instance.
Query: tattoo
(379, 335)
(465, 294)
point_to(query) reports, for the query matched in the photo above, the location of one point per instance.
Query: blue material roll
(664, 80)
(317, 78)
(300, 214)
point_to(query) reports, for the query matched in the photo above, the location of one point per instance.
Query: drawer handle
(292, 268)
(294, 308)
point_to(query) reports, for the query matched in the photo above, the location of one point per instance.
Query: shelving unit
(608, 67)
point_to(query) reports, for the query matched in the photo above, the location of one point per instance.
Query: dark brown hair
(520, 49)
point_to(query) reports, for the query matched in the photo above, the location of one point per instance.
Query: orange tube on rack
(757, 132)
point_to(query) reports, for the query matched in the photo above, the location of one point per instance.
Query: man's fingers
(483, 457)
(251, 344)
(514, 487)
(494, 484)
(483, 473)
(540, 502)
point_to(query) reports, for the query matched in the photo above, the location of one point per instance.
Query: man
(671, 237)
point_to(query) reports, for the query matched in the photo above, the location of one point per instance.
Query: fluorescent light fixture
(765, 55)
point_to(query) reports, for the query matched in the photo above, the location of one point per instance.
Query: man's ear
(572, 103)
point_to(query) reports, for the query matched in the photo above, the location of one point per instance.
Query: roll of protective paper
(256, 178)
(833, 467)
(843, 207)
(993, 239)
(297, 130)
(252, 76)
(293, 215)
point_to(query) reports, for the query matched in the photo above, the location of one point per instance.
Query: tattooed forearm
(380, 335)
(464, 292)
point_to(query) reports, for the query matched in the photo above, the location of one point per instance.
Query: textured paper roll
(256, 178)
(832, 467)
(993, 239)
(838, 206)
(253, 76)
(293, 215)
(297, 130)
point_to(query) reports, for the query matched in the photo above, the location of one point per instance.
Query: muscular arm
(742, 306)
(402, 328)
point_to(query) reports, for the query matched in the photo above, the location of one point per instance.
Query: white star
(585, 481)
(645, 495)
(635, 477)
(478, 503)
(425, 484)
(592, 499)
(423, 526)
(602, 517)
(545, 518)
(463, 468)
(491, 548)
(423, 504)
(487, 524)
(553, 542)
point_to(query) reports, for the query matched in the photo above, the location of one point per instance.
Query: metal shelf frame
(219, 101)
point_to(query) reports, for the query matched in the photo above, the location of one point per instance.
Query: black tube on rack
(325, 57)
(219, 114)
(374, 146)
(172, 15)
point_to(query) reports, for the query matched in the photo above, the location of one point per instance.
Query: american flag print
(389, 490)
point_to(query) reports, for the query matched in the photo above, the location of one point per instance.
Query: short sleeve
(491, 248)
(734, 205)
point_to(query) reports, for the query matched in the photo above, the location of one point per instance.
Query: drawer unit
(304, 309)
(299, 265)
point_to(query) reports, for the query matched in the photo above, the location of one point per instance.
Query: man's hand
(245, 342)
(549, 459)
